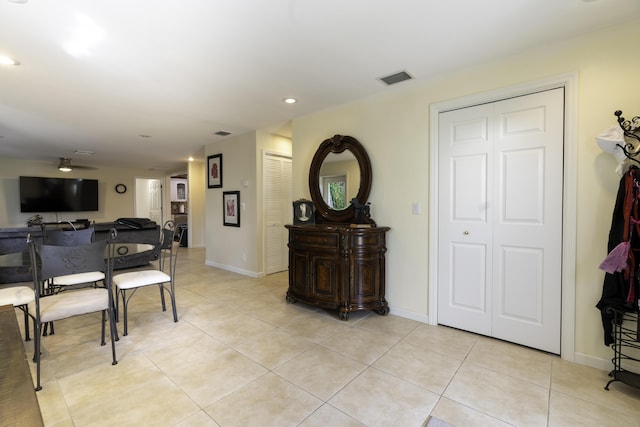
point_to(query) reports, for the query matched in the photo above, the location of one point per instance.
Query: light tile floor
(241, 356)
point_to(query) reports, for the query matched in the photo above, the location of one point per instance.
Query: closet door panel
(464, 210)
(522, 187)
(468, 264)
(520, 286)
(527, 230)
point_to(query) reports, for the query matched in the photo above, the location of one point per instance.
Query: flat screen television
(39, 194)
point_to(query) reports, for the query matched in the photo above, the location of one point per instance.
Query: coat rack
(622, 318)
(630, 129)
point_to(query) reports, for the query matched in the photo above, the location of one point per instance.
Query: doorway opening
(179, 191)
(148, 199)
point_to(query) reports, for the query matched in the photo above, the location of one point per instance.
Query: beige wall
(197, 191)
(112, 205)
(239, 249)
(394, 128)
(233, 248)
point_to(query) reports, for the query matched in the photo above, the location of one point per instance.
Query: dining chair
(163, 275)
(19, 296)
(49, 261)
(56, 236)
(75, 237)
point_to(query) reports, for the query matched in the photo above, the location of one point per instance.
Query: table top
(22, 259)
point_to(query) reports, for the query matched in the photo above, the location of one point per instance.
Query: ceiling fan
(65, 165)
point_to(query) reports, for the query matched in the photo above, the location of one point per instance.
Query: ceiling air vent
(396, 78)
(222, 133)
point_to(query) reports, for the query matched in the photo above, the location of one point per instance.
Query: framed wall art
(303, 212)
(214, 171)
(231, 207)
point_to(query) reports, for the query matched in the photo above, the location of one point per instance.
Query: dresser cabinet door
(366, 282)
(325, 277)
(299, 273)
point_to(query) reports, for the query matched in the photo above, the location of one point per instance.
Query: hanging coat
(620, 286)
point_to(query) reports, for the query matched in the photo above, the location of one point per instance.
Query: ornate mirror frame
(338, 144)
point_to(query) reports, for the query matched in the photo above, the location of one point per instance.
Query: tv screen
(38, 194)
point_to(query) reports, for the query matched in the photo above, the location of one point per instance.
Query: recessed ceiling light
(290, 100)
(142, 135)
(5, 60)
(222, 133)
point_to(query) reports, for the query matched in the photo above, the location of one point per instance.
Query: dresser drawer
(320, 239)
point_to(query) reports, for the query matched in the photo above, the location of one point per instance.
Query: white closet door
(500, 213)
(465, 209)
(155, 198)
(278, 210)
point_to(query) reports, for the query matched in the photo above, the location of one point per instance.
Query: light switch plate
(416, 208)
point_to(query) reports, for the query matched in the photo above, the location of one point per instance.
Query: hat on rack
(611, 141)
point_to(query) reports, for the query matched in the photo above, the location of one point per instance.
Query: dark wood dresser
(338, 267)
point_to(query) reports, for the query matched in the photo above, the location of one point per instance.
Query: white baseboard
(408, 314)
(592, 361)
(233, 269)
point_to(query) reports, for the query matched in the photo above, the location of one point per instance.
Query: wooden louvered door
(278, 210)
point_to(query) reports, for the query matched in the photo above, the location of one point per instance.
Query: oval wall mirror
(340, 171)
(339, 179)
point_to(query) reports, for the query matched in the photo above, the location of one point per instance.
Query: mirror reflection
(339, 179)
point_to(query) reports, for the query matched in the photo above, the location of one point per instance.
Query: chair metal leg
(25, 311)
(114, 335)
(173, 304)
(124, 311)
(112, 322)
(117, 308)
(104, 319)
(48, 326)
(164, 306)
(36, 355)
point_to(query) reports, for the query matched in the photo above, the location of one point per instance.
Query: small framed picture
(303, 212)
(231, 207)
(214, 171)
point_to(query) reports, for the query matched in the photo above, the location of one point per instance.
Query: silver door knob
(465, 232)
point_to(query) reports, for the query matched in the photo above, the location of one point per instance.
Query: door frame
(570, 84)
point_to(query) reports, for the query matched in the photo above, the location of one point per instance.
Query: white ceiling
(96, 75)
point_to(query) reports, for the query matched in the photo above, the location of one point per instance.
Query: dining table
(19, 263)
